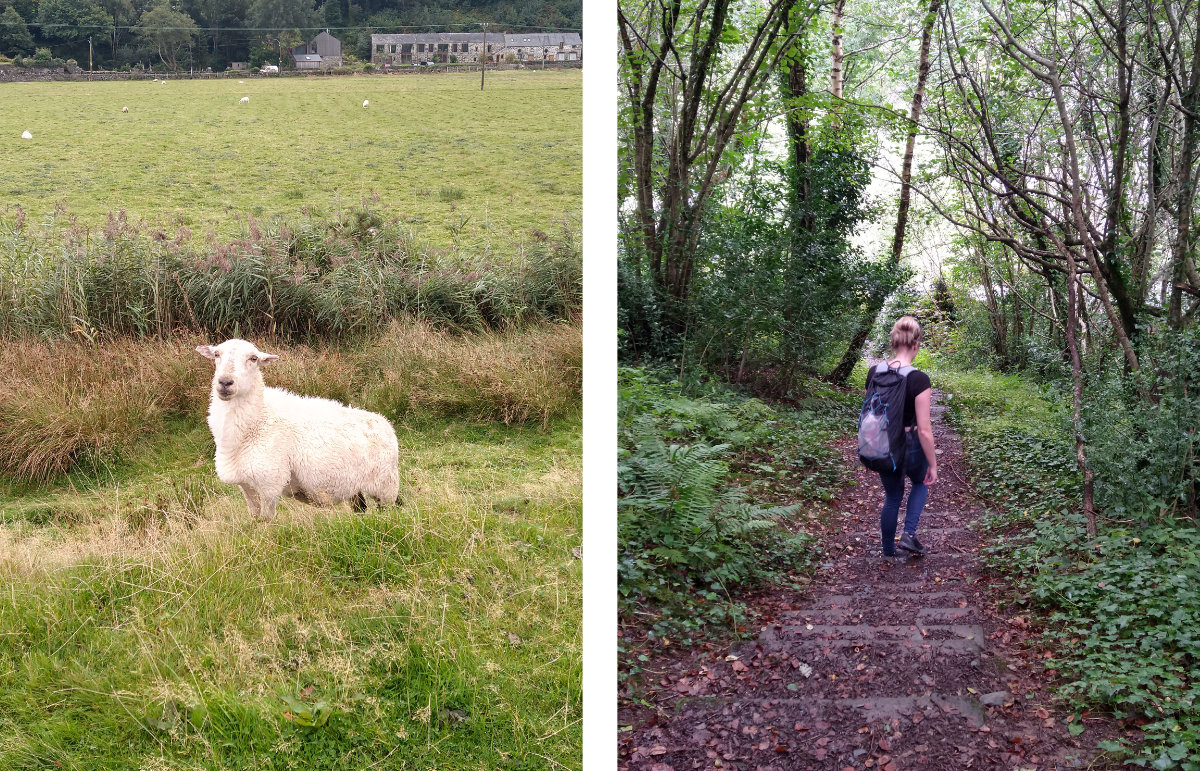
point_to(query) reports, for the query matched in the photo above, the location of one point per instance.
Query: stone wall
(10, 74)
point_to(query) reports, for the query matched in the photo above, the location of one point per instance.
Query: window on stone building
(379, 48)
(420, 48)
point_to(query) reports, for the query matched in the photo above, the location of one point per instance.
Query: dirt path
(880, 665)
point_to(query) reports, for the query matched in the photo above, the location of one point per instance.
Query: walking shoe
(910, 543)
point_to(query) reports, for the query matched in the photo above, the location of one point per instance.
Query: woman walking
(920, 456)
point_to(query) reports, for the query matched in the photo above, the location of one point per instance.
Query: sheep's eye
(253, 358)
(217, 354)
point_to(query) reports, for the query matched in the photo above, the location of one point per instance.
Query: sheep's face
(237, 363)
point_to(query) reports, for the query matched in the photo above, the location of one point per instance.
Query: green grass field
(148, 622)
(461, 165)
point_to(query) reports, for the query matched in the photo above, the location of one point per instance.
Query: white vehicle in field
(269, 69)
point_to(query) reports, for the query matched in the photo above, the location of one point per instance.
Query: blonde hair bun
(906, 333)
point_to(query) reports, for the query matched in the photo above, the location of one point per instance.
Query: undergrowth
(1121, 610)
(712, 486)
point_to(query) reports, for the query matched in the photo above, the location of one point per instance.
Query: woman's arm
(925, 432)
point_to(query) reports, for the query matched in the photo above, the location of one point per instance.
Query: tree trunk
(1111, 264)
(839, 55)
(1089, 509)
(995, 312)
(841, 373)
(1187, 188)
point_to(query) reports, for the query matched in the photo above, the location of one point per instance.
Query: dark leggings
(915, 468)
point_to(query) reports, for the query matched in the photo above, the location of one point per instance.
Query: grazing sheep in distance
(244, 100)
(26, 135)
(366, 102)
(124, 109)
(271, 442)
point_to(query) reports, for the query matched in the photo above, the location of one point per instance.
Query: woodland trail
(878, 665)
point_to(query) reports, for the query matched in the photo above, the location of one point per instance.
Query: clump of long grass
(512, 377)
(72, 404)
(318, 279)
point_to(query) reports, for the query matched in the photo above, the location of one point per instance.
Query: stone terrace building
(448, 47)
(437, 47)
(543, 46)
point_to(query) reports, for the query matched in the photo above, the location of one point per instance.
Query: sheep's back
(335, 451)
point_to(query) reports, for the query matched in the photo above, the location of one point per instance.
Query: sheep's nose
(225, 382)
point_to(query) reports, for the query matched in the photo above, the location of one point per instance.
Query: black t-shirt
(918, 383)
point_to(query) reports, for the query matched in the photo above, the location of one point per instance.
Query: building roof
(516, 39)
(507, 39)
(436, 37)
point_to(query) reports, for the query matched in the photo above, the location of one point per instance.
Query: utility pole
(483, 54)
(90, 68)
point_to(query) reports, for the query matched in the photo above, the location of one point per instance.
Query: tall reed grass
(73, 404)
(311, 280)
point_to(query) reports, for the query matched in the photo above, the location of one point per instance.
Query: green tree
(284, 14)
(14, 35)
(70, 21)
(124, 15)
(168, 32)
(692, 78)
(215, 14)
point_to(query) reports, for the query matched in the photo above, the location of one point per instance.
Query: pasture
(148, 622)
(418, 258)
(461, 166)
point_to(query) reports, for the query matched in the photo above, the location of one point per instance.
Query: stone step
(948, 531)
(803, 734)
(872, 562)
(853, 671)
(914, 632)
(784, 712)
(944, 640)
(873, 596)
(883, 614)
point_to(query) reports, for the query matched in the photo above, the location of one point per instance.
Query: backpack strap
(883, 366)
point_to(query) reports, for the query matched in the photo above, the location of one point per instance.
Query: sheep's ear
(266, 358)
(207, 351)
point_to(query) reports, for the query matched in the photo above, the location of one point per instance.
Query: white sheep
(271, 442)
(244, 100)
(26, 135)
(124, 109)
(366, 102)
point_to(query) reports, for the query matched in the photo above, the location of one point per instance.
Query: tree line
(213, 33)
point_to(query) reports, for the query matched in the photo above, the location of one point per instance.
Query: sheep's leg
(266, 510)
(251, 499)
(358, 502)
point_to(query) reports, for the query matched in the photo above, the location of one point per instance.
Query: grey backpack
(881, 420)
